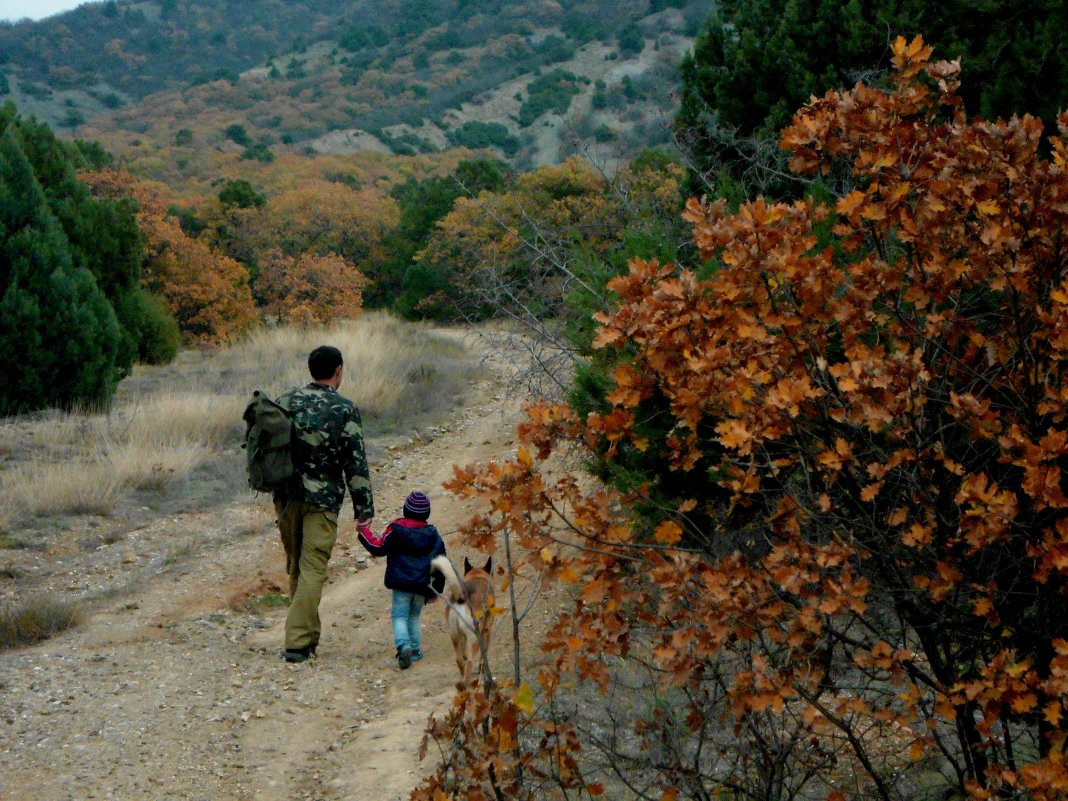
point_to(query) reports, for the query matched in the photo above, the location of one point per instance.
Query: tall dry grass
(383, 355)
(35, 619)
(167, 421)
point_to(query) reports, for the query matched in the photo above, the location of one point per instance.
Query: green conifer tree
(757, 61)
(60, 343)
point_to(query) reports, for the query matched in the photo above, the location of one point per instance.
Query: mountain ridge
(547, 80)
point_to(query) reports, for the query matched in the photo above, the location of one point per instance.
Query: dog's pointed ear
(467, 565)
(489, 566)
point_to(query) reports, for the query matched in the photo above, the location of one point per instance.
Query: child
(408, 543)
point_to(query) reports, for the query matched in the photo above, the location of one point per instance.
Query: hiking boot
(404, 657)
(299, 654)
(416, 654)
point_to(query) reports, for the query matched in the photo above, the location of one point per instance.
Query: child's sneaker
(404, 657)
(416, 655)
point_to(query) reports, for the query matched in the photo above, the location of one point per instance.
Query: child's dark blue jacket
(408, 546)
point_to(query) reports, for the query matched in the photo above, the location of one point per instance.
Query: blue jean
(406, 609)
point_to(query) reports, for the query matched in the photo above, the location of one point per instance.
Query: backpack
(268, 444)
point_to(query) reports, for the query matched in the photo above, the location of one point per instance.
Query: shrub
(240, 193)
(238, 135)
(550, 92)
(553, 49)
(477, 135)
(34, 620)
(259, 152)
(853, 573)
(151, 324)
(630, 40)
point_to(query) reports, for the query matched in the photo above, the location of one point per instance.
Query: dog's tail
(454, 589)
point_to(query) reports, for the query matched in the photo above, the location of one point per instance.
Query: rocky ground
(174, 687)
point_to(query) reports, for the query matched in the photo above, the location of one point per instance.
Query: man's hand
(363, 522)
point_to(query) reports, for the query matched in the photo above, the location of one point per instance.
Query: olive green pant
(308, 536)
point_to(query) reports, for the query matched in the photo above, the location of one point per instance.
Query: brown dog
(468, 611)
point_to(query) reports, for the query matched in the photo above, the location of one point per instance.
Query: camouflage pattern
(329, 453)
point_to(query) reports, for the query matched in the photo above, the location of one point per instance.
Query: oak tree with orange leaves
(207, 292)
(310, 289)
(882, 383)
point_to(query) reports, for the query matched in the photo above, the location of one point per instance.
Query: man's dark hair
(324, 361)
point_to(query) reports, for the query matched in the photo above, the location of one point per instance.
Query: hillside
(163, 84)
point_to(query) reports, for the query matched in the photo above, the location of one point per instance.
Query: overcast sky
(35, 9)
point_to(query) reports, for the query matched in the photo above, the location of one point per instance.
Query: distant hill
(162, 83)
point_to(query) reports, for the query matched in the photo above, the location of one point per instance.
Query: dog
(468, 612)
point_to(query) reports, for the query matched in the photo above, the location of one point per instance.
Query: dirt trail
(174, 690)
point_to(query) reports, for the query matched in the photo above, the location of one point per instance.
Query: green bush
(757, 61)
(153, 328)
(61, 342)
(476, 135)
(258, 151)
(630, 40)
(550, 92)
(65, 259)
(425, 294)
(354, 39)
(238, 135)
(553, 49)
(241, 194)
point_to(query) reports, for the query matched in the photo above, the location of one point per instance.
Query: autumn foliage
(880, 385)
(310, 289)
(207, 292)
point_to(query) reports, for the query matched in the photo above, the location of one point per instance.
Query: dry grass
(261, 519)
(73, 486)
(34, 620)
(166, 422)
(153, 465)
(201, 418)
(382, 354)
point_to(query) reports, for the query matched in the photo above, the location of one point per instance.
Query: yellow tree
(541, 252)
(208, 293)
(309, 289)
(322, 217)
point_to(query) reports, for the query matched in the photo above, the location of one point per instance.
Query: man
(328, 455)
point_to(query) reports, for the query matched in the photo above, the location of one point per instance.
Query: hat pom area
(417, 506)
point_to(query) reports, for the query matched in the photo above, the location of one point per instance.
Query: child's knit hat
(417, 506)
